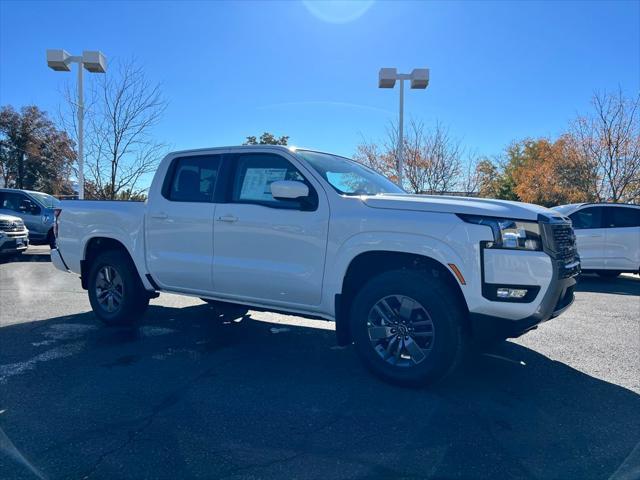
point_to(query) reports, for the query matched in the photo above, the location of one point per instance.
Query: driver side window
(255, 172)
(19, 203)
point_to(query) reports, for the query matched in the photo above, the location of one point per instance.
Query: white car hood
(9, 218)
(465, 205)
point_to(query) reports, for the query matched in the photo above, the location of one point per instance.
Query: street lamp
(387, 79)
(94, 62)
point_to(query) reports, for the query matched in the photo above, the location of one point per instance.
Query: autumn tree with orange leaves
(551, 173)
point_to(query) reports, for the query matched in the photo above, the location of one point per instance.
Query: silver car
(36, 209)
(14, 236)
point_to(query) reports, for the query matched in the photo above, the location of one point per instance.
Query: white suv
(608, 236)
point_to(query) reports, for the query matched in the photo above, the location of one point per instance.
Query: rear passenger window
(587, 218)
(622, 217)
(193, 179)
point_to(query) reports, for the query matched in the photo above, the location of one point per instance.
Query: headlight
(508, 233)
(47, 218)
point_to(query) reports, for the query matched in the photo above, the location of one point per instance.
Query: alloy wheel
(109, 289)
(401, 330)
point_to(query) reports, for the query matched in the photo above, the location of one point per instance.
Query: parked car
(14, 236)
(36, 209)
(410, 279)
(608, 236)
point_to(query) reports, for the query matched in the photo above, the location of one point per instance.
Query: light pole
(94, 62)
(387, 79)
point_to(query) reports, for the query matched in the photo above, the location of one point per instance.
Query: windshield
(348, 177)
(45, 200)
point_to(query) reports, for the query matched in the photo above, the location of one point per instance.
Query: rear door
(179, 225)
(590, 236)
(622, 247)
(268, 250)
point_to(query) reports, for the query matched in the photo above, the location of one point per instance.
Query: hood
(466, 205)
(9, 218)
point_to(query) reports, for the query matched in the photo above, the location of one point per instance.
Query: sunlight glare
(337, 11)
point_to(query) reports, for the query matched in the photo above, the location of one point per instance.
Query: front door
(267, 250)
(179, 225)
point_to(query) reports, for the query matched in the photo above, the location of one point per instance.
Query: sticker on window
(257, 183)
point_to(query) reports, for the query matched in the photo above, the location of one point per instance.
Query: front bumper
(558, 298)
(565, 265)
(58, 261)
(13, 243)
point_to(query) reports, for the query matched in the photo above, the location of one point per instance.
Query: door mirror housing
(289, 190)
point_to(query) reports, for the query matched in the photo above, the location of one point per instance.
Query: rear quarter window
(623, 217)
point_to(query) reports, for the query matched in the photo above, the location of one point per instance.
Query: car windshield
(348, 177)
(46, 200)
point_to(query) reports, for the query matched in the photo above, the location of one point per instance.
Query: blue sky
(499, 71)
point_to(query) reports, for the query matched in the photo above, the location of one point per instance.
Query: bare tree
(470, 176)
(609, 139)
(123, 108)
(432, 158)
(443, 166)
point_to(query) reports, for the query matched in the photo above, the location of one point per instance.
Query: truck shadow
(623, 285)
(189, 394)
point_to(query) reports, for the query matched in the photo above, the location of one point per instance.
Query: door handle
(595, 236)
(228, 219)
(160, 216)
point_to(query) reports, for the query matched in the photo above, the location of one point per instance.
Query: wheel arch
(98, 244)
(368, 264)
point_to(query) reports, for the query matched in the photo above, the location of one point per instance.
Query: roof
(282, 148)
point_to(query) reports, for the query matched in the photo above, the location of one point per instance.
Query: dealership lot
(186, 394)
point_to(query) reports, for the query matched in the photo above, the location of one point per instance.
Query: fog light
(511, 292)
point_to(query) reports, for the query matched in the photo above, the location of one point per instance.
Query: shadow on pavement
(44, 256)
(188, 395)
(622, 285)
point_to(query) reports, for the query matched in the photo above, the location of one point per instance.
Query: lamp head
(387, 77)
(58, 60)
(420, 78)
(94, 61)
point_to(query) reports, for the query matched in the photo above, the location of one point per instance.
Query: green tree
(34, 154)
(267, 139)
(495, 179)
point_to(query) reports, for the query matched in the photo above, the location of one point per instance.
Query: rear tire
(116, 293)
(418, 338)
(608, 273)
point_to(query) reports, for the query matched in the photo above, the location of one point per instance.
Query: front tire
(407, 327)
(116, 293)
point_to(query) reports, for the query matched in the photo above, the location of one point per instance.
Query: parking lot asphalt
(186, 394)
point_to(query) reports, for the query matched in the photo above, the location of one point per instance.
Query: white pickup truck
(409, 279)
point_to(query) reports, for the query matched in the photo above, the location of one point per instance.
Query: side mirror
(289, 190)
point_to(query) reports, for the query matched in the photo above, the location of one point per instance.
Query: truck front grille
(563, 246)
(11, 225)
